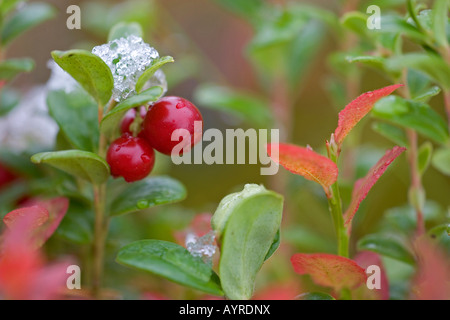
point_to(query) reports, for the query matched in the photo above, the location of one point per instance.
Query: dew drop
(142, 204)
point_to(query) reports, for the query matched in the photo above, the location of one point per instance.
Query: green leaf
(156, 64)
(246, 223)
(148, 193)
(432, 65)
(275, 245)
(77, 116)
(424, 156)
(412, 114)
(393, 133)
(315, 296)
(89, 70)
(440, 21)
(302, 51)
(253, 109)
(372, 61)
(385, 246)
(428, 94)
(10, 68)
(77, 225)
(397, 25)
(26, 18)
(356, 21)
(125, 29)
(8, 100)
(7, 5)
(82, 164)
(171, 261)
(246, 8)
(441, 161)
(110, 122)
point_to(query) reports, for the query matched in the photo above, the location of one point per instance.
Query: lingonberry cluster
(131, 156)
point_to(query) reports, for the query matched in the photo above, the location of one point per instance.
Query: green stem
(335, 204)
(99, 239)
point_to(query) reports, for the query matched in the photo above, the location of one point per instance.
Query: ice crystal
(203, 247)
(127, 58)
(59, 79)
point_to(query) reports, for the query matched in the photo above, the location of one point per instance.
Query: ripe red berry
(131, 158)
(167, 115)
(129, 118)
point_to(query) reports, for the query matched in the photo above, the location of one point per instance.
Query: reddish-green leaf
(363, 185)
(357, 109)
(37, 216)
(329, 270)
(305, 162)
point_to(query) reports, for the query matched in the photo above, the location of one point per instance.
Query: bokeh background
(210, 44)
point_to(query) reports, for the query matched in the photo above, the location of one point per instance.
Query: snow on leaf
(357, 109)
(363, 185)
(329, 270)
(307, 163)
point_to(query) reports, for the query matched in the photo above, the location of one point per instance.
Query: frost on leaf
(128, 58)
(203, 247)
(307, 163)
(357, 109)
(329, 270)
(363, 185)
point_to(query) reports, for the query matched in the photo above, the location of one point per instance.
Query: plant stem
(99, 239)
(100, 226)
(335, 204)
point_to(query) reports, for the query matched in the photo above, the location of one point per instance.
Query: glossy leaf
(10, 68)
(156, 64)
(111, 120)
(307, 163)
(252, 109)
(24, 19)
(357, 109)
(363, 185)
(148, 193)
(77, 225)
(432, 65)
(172, 262)
(440, 21)
(424, 156)
(89, 70)
(386, 246)
(82, 164)
(393, 133)
(247, 224)
(428, 94)
(441, 161)
(125, 29)
(77, 117)
(413, 115)
(329, 270)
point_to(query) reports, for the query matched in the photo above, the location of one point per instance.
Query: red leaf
(366, 259)
(357, 109)
(329, 270)
(305, 162)
(36, 215)
(287, 291)
(433, 279)
(363, 185)
(57, 209)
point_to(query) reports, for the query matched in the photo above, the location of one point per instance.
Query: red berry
(129, 118)
(167, 115)
(131, 158)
